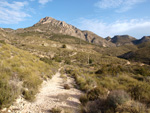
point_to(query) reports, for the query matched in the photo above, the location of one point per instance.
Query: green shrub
(64, 46)
(7, 93)
(96, 106)
(67, 61)
(144, 70)
(111, 70)
(96, 93)
(29, 95)
(46, 60)
(140, 92)
(83, 99)
(81, 82)
(71, 72)
(57, 58)
(2, 41)
(132, 107)
(117, 97)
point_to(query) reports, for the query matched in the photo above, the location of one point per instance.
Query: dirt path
(52, 94)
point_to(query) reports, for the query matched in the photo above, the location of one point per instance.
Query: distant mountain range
(120, 40)
(52, 26)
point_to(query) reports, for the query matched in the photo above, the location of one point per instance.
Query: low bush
(132, 107)
(67, 61)
(96, 106)
(140, 92)
(144, 70)
(83, 99)
(96, 93)
(81, 82)
(64, 46)
(113, 70)
(57, 58)
(101, 105)
(7, 93)
(46, 60)
(2, 41)
(117, 97)
(28, 95)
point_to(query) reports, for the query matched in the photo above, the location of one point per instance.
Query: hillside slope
(21, 74)
(142, 54)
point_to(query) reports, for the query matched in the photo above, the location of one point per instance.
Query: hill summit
(123, 40)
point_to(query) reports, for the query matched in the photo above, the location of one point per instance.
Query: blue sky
(103, 17)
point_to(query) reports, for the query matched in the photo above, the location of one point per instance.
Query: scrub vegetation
(21, 74)
(110, 84)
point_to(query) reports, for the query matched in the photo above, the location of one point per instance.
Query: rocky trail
(52, 95)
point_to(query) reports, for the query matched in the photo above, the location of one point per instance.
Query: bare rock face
(49, 24)
(46, 19)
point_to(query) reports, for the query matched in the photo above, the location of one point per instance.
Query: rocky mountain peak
(108, 38)
(46, 20)
(50, 20)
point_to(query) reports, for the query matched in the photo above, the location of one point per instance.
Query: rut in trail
(52, 94)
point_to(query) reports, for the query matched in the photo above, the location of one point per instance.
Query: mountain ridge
(50, 26)
(120, 40)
